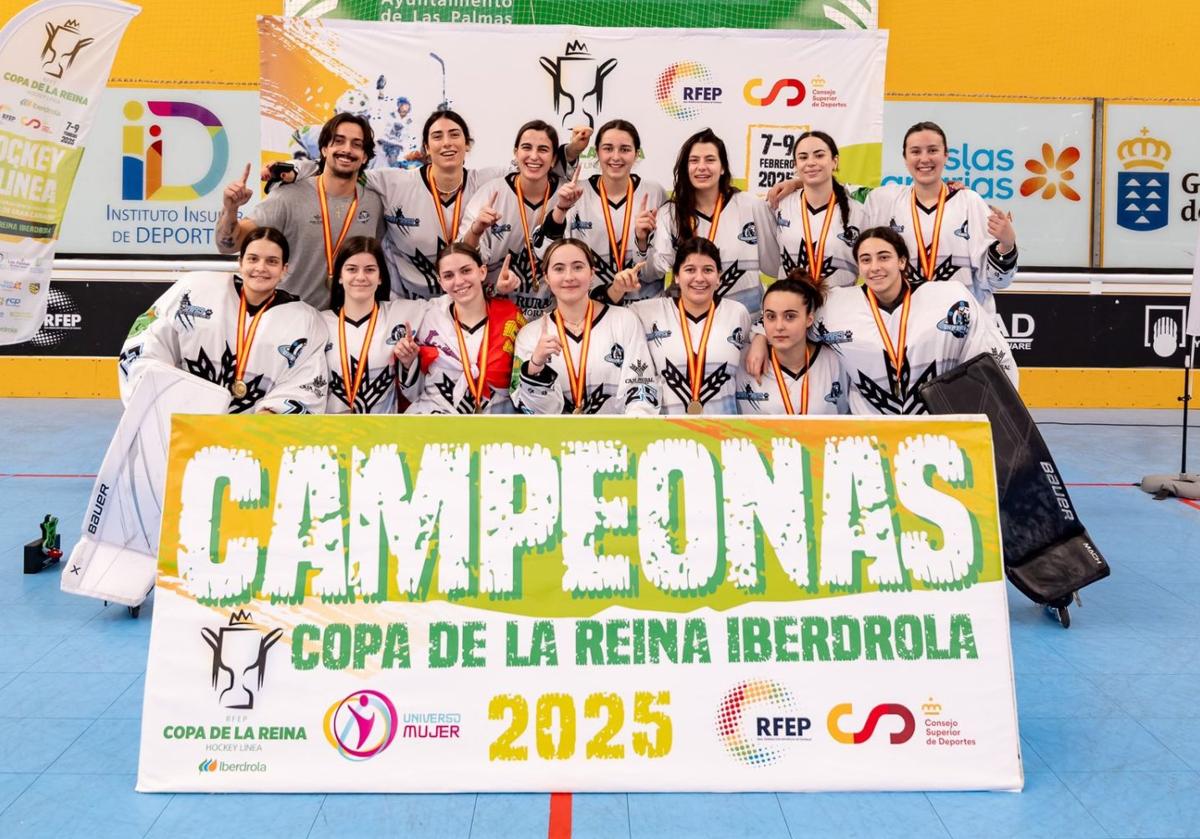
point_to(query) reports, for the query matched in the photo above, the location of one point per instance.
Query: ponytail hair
(839, 191)
(799, 281)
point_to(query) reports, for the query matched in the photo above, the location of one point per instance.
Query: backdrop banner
(440, 604)
(757, 89)
(56, 55)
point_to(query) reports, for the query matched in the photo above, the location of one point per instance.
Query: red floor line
(41, 475)
(1190, 503)
(560, 815)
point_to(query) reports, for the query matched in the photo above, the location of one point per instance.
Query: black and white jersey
(965, 250)
(507, 238)
(619, 377)
(586, 221)
(377, 391)
(747, 239)
(838, 267)
(727, 341)
(827, 387)
(440, 386)
(193, 326)
(946, 326)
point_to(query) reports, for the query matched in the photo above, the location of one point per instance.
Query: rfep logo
(142, 163)
(756, 718)
(890, 709)
(683, 87)
(795, 89)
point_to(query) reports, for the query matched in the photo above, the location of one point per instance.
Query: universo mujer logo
(361, 725)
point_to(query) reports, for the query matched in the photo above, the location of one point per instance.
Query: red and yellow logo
(1051, 173)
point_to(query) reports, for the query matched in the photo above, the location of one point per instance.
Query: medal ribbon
(361, 369)
(895, 354)
(696, 359)
(449, 234)
(533, 271)
(245, 339)
(330, 248)
(475, 386)
(716, 219)
(618, 253)
(928, 256)
(817, 259)
(576, 379)
(783, 390)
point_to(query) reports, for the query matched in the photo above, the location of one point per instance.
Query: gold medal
(695, 407)
(695, 359)
(533, 266)
(579, 409)
(351, 381)
(927, 254)
(239, 389)
(245, 339)
(894, 352)
(576, 376)
(477, 387)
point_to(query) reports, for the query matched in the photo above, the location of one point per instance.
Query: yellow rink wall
(939, 49)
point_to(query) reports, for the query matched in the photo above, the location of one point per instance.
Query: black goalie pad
(1048, 554)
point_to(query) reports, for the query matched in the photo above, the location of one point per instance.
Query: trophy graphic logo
(63, 44)
(239, 662)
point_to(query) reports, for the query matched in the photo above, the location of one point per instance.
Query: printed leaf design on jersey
(885, 401)
(519, 265)
(801, 261)
(729, 278)
(203, 367)
(677, 381)
(591, 403)
(370, 393)
(944, 271)
(428, 267)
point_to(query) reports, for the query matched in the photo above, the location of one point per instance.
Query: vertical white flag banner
(56, 56)
(1193, 321)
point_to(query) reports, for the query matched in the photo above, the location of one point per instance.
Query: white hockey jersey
(838, 267)
(946, 327)
(620, 376)
(747, 238)
(727, 341)
(965, 251)
(377, 390)
(507, 238)
(440, 387)
(193, 326)
(827, 387)
(586, 221)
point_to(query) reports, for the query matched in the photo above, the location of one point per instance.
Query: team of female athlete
(534, 290)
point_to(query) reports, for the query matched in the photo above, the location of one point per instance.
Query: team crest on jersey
(639, 369)
(842, 336)
(616, 355)
(400, 220)
(316, 386)
(750, 395)
(188, 312)
(738, 337)
(292, 351)
(835, 393)
(963, 231)
(655, 335)
(958, 320)
(364, 216)
(579, 224)
(498, 230)
(899, 228)
(397, 333)
(849, 235)
(749, 234)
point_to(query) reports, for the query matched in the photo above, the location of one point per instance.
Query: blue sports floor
(1109, 709)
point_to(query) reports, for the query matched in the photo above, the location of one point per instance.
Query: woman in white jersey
(802, 376)
(952, 235)
(706, 204)
(585, 356)
(466, 342)
(368, 333)
(696, 339)
(615, 215)
(893, 335)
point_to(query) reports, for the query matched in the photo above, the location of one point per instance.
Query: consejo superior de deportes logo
(877, 714)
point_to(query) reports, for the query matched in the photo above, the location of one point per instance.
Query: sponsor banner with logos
(579, 604)
(1031, 160)
(86, 318)
(157, 164)
(1151, 186)
(669, 83)
(56, 56)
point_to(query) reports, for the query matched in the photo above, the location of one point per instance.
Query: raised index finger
(492, 200)
(507, 260)
(645, 203)
(246, 175)
(575, 174)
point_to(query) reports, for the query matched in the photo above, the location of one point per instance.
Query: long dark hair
(271, 234)
(330, 128)
(695, 245)
(454, 117)
(798, 281)
(839, 191)
(352, 247)
(685, 194)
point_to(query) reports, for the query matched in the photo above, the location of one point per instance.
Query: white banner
(1032, 160)
(56, 55)
(757, 89)
(1151, 185)
(156, 165)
